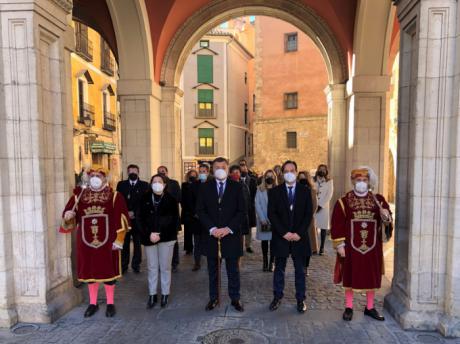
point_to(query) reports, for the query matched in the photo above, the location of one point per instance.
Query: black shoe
(196, 267)
(174, 268)
(136, 270)
(306, 272)
(110, 311)
(249, 250)
(271, 265)
(238, 306)
(153, 299)
(124, 270)
(91, 310)
(348, 314)
(301, 307)
(373, 313)
(275, 304)
(164, 301)
(211, 305)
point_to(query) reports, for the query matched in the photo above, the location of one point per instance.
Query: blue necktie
(221, 191)
(291, 197)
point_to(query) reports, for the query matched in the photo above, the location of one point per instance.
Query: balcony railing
(83, 46)
(107, 63)
(206, 113)
(109, 121)
(86, 115)
(206, 151)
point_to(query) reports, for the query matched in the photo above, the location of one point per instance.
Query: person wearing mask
(264, 233)
(304, 178)
(356, 227)
(221, 209)
(203, 173)
(132, 190)
(175, 191)
(188, 203)
(325, 190)
(158, 215)
(235, 175)
(290, 213)
(251, 184)
(100, 217)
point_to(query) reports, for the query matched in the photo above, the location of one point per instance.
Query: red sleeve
(338, 223)
(121, 218)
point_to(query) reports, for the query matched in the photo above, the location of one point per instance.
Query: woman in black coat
(158, 216)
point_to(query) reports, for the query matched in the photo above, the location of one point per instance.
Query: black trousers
(175, 258)
(278, 277)
(137, 254)
(233, 276)
(197, 248)
(188, 238)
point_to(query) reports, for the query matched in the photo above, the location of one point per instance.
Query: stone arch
(220, 11)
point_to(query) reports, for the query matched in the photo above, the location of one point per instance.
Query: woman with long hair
(325, 187)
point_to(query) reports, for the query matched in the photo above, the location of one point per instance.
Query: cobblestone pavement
(184, 321)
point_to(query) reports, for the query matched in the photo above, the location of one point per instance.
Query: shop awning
(103, 147)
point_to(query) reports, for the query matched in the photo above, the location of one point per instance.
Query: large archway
(220, 11)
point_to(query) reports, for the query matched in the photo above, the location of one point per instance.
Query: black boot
(164, 300)
(152, 301)
(265, 264)
(110, 311)
(91, 310)
(323, 241)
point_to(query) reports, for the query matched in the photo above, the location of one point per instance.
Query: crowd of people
(218, 206)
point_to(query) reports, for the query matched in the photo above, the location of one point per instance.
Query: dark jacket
(132, 194)
(245, 224)
(229, 213)
(189, 198)
(251, 183)
(158, 219)
(174, 189)
(283, 220)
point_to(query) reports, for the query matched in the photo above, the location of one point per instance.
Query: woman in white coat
(264, 233)
(325, 189)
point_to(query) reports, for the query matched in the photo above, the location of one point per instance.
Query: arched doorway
(211, 16)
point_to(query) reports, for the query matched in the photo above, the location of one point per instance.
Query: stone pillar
(426, 284)
(171, 152)
(367, 132)
(36, 158)
(140, 122)
(336, 132)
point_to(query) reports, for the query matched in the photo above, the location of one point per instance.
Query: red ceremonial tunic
(356, 222)
(101, 221)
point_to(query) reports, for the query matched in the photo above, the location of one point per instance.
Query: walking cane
(219, 258)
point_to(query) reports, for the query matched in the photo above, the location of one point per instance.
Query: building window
(206, 141)
(204, 44)
(107, 62)
(206, 108)
(290, 42)
(290, 100)
(83, 45)
(291, 139)
(245, 113)
(205, 69)
(253, 103)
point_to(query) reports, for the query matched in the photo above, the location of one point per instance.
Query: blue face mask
(202, 177)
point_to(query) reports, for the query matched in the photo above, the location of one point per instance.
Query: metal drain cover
(235, 336)
(24, 329)
(428, 338)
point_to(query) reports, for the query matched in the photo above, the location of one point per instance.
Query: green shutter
(205, 96)
(205, 72)
(206, 132)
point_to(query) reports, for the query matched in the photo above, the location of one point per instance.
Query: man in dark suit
(251, 183)
(174, 190)
(132, 189)
(290, 213)
(221, 208)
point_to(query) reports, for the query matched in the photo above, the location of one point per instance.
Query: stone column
(140, 122)
(35, 156)
(426, 284)
(366, 128)
(171, 152)
(336, 132)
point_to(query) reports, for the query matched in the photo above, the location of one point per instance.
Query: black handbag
(265, 228)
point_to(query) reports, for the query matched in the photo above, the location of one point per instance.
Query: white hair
(373, 178)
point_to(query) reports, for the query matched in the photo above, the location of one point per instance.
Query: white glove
(116, 247)
(69, 215)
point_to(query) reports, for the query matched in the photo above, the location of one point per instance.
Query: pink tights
(349, 298)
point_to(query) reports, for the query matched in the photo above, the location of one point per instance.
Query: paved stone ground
(184, 321)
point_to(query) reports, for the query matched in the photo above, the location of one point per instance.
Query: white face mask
(361, 187)
(158, 188)
(290, 177)
(95, 183)
(220, 174)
